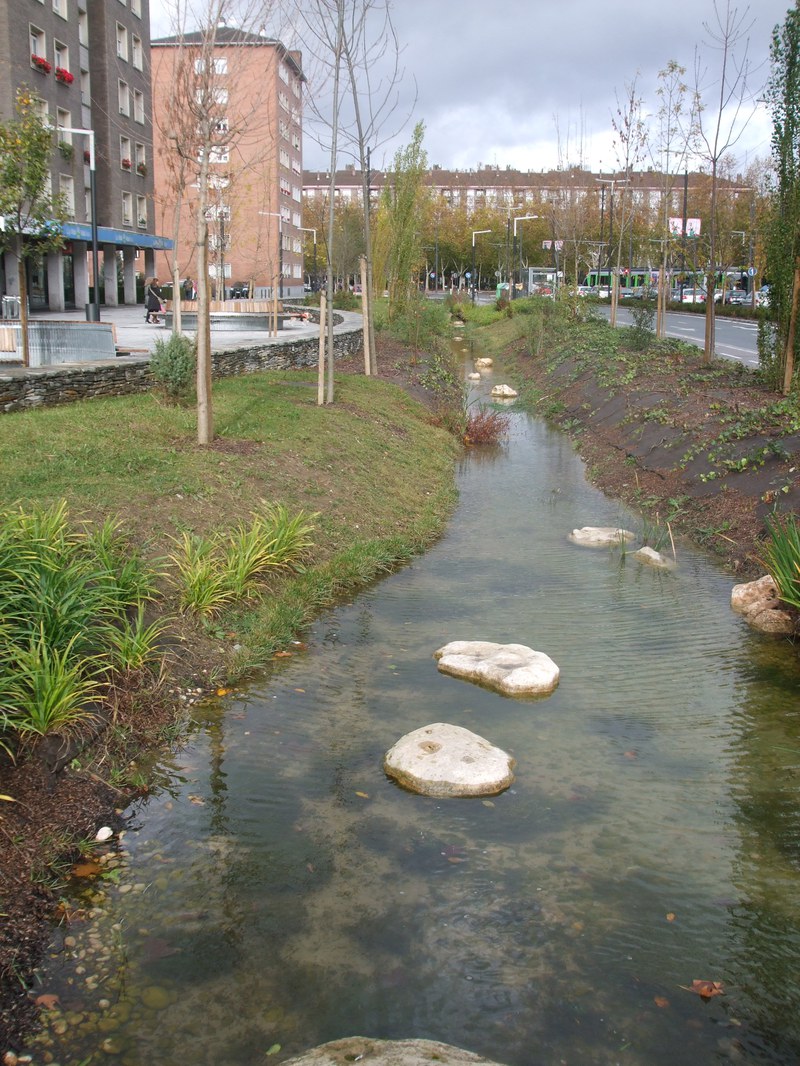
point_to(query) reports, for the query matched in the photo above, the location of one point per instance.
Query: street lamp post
(308, 229)
(93, 309)
(519, 218)
(475, 233)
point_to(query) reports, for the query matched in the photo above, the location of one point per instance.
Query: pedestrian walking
(152, 301)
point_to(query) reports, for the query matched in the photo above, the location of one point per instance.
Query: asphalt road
(735, 338)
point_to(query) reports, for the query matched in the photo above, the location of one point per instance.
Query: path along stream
(281, 891)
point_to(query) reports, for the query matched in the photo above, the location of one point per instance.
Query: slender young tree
(724, 107)
(783, 232)
(33, 215)
(630, 135)
(199, 129)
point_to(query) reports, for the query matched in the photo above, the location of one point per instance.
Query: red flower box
(64, 75)
(41, 63)
(125, 164)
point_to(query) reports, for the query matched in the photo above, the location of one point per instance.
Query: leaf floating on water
(274, 1049)
(631, 755)
(197, 800)
(487, 803)
(706, 989)
(283, 655)
(661, 1001)
(363, 795)
(86, 869)
(670, 917)
(300, 690)
(48, 1000)
(223, 691)
(456, 858)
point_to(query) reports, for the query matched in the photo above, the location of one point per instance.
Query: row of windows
(126, 95)
(137, 51)
(128, 202)
(66, 188)
(60, 7)
(137, 161)
(38, 43)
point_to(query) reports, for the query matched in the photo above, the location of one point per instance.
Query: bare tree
(362, 45)
(721, 122)
(200, 130)
(629, 129)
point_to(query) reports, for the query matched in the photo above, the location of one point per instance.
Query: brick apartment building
(255, 166)
(87, 62)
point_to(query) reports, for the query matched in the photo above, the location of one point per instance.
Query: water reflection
(288, 893)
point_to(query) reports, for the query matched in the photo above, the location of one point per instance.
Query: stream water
(280, 891)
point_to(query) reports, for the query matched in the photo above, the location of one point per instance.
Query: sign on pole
(692, 227)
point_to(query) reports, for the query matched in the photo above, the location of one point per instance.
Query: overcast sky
(533, 83)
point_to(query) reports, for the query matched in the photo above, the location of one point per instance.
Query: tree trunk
(23, 305)
(205, 418)
(788, 363)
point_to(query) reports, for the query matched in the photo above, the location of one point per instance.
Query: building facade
(228, 143)
(86, 62)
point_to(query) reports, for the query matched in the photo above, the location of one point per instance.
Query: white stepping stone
(512, 669)
(446, 760)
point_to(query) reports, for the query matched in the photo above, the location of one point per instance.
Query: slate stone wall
(46, 386)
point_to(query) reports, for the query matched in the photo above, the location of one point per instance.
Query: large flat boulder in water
(371, 1052)
(447, 760)
(513, 669)
(601, 536)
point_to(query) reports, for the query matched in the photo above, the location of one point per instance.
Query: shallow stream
(280, 891)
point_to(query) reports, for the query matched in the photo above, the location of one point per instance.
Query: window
(296, 142)
(296, 86)
(284, 129)
(286, 214)
(127, 209)
(38, 43)
(138, 105)
(41, 110)
(296, 218)
(136, 8)
(219, 154)
(86, 88)
(125, 153)
(296, 193)
(141, 211)
(124, 95)
(222, 127)
(297, 245)
(218, 66)
(283, 100)
(66, 188)
(140, 157)
(64, 121)
(83, 29)
(286, 187)
(61, 55)
(283, 73)
(138, 53)
(122, 42)
(284, 157)
(60, 8)
(296, 169)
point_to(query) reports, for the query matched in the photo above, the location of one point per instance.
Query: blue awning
(82, 231)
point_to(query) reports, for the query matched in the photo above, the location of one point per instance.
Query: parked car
(737, 296)
(692, 296)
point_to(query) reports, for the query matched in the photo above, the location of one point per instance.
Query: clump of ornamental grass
(213, 572)
(782, 557)
(65, 594)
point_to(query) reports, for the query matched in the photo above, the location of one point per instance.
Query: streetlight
(308, 229)
(276, 214)
(475, 233)
(92, 310)
(519, 218)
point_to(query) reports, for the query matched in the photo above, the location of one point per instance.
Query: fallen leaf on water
(283, 654)
(631, 755)
(670, 917)
(661, 1001)
(86, 869)
(274, 1049)
(299, 690)
(223, 691)
(363, 795)
(455, 858)
(48, 1000)
(198, 800)
(487, 803)
(706, 989)
(310, 867)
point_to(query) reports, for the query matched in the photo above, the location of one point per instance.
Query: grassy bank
(371, 474)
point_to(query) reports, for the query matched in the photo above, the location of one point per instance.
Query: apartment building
(87, 63)
(251, 155)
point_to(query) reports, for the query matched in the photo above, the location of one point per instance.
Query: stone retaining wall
(22, 389)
